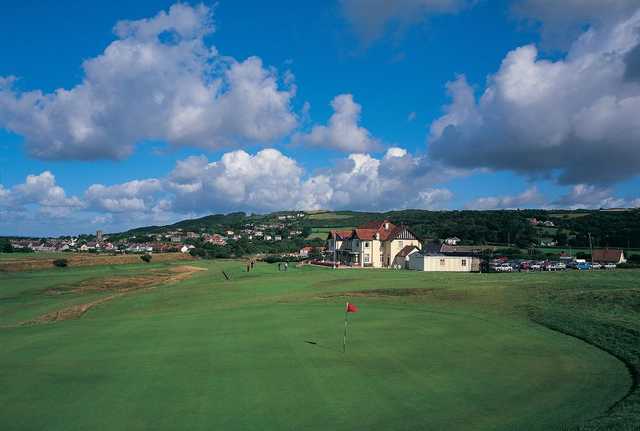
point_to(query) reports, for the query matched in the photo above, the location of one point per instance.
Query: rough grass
(263, 351)
(35, 261)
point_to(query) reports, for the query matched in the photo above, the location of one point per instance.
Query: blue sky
(126, 114)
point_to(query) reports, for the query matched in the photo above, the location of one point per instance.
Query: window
(464, 262)
(366, 244)
(441, 262)
(366, 258)
(400, 244)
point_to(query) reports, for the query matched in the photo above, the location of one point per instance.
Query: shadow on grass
(322, 346)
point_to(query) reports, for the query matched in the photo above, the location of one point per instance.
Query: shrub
(61, 263)
(5, 246)
(634, 258)
(146, 258)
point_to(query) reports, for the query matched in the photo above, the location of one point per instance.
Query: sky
(126, 114)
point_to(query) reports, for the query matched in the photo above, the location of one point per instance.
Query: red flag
(351, 308)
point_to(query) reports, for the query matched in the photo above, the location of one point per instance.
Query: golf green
(263, 351)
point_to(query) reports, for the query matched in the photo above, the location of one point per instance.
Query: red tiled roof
(365, 234)
(340, 234)
(368, 231)
(607, 255)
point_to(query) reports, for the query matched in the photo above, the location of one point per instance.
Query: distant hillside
(619, 228)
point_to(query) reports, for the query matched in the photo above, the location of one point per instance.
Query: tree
(5, 246)
(61, 263)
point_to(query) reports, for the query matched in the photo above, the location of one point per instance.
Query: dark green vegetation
(61, 263)
(263, 350)
(571, 228)
(506, 229)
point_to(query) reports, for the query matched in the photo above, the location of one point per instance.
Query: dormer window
(386, 225)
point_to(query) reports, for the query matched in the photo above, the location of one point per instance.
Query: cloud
(131, 196)
(574, 119)
(370, 18)
(560, 22)
(269, 180)
(579, 196)
(39, 194)
(157, 80)
(589, 196)
(342, 131)
(412, 116)
(530, 198)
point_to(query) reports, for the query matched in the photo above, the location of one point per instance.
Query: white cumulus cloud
(157, 80)
(575, 118)
(342, 132)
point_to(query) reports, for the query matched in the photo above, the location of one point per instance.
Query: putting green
(264, 352)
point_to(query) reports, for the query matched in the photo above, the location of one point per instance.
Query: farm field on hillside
(322, 232)
(182, 348)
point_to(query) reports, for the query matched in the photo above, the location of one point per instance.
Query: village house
(442, 263)
(609, 255)
(375, 244)
(186, 248)
(305, 251)
(215, 239)
(452, 240)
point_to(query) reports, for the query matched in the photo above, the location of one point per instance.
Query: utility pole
(591, 250)
(335, 241)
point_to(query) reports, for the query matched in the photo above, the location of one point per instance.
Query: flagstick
(344, 338)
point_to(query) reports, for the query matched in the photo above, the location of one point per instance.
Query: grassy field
(27, 256)
(322, 232)
(263, 351)
(329, 216)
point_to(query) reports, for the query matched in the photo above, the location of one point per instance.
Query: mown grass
(263, 351)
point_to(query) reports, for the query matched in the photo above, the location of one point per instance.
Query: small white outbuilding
(441, 263)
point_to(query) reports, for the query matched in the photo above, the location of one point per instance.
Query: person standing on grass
(286, 266)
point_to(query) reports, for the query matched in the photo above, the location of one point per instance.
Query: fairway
(263, 351)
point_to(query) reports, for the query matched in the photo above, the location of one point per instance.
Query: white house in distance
(454, 240)
(375, 244)
(442, 263)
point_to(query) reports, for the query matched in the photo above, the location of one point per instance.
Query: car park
(583, 266)
(535, 266)
(504, 267)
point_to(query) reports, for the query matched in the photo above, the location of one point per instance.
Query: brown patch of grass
(84, 259)
(120, 285)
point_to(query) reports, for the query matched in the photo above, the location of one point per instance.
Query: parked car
(504, 267)
(596, 265)
(610, 266)
(535, 266)
(583, 266)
